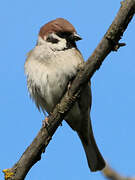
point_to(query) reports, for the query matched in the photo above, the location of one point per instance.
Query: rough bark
(110, 42)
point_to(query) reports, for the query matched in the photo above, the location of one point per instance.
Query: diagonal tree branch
(111, 174)
(110, 42)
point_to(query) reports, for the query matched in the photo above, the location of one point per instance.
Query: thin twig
(111, 174)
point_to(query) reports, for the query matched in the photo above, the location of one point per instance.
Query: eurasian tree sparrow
(49, 68)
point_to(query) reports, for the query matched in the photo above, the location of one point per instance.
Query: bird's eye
(52, 39)
(64, 34)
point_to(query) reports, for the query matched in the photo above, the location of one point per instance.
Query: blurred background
(113, 89)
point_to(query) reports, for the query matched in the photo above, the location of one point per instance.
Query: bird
(50, 66)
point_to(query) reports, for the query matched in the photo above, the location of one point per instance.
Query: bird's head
(58, 34)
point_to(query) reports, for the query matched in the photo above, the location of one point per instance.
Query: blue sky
(113, 87)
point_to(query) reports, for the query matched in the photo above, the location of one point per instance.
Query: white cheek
(62, 43)
(58, 46)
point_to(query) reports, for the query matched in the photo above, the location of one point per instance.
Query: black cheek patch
(52, 40)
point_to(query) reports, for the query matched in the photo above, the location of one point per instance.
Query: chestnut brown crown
(57, 25)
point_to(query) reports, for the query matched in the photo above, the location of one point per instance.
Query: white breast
(50, 72)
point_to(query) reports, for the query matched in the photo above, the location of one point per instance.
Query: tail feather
(94, 157)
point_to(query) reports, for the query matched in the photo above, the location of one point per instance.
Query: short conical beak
(75, 37)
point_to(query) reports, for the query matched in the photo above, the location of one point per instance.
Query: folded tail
(94, 157)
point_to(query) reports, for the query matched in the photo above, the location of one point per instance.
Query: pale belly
(47, 83)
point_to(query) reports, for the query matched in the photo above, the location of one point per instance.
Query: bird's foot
(45, 122)
(61, 124)
(69, 85)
